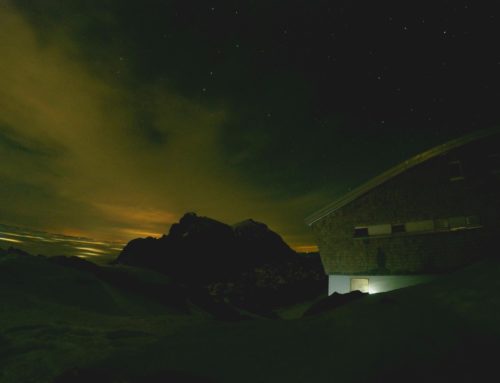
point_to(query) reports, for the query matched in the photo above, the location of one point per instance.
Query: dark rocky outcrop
(260, 245)
(203, 249)
(246, 264)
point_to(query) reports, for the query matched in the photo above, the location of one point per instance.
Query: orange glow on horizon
(137, 214)
(134, 233)
(70, 232)
(305, 248)
(91, 250)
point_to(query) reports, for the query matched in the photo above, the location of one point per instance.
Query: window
(472, 221)
(441, 224)
(372, 230)
(360, 284)
(398, 228)
(455, 169)
(361, 232)
(458, 223)
(415, 226)
(379, 229)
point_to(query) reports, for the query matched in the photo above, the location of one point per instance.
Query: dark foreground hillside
(65, 324)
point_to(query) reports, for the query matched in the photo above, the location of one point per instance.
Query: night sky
(117, 116)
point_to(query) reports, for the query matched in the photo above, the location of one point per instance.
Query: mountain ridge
(247, 243)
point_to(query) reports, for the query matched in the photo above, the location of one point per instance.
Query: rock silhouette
(247, 264)
(204, 249)
(259, 244)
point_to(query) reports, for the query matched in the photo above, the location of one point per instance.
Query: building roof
(398, 169)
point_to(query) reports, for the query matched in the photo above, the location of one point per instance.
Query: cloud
(86, 154)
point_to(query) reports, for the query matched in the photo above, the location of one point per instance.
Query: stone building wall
(428, 191)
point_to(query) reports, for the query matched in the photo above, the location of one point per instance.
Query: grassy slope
(53, 318)
(435, 332)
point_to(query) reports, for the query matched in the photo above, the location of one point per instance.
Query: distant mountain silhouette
(206, 249)
(14, 251)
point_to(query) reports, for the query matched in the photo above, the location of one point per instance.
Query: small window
(455, 169)
(361, 232)
(399, 228)
(457, 223)
(379, 229)
(415, 226)
(472, 221)
(441, 224)
(360, 284)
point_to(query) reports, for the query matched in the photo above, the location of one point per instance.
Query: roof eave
(396, 170)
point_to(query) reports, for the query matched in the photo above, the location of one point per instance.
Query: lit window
(360, 284)
(455, 169)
